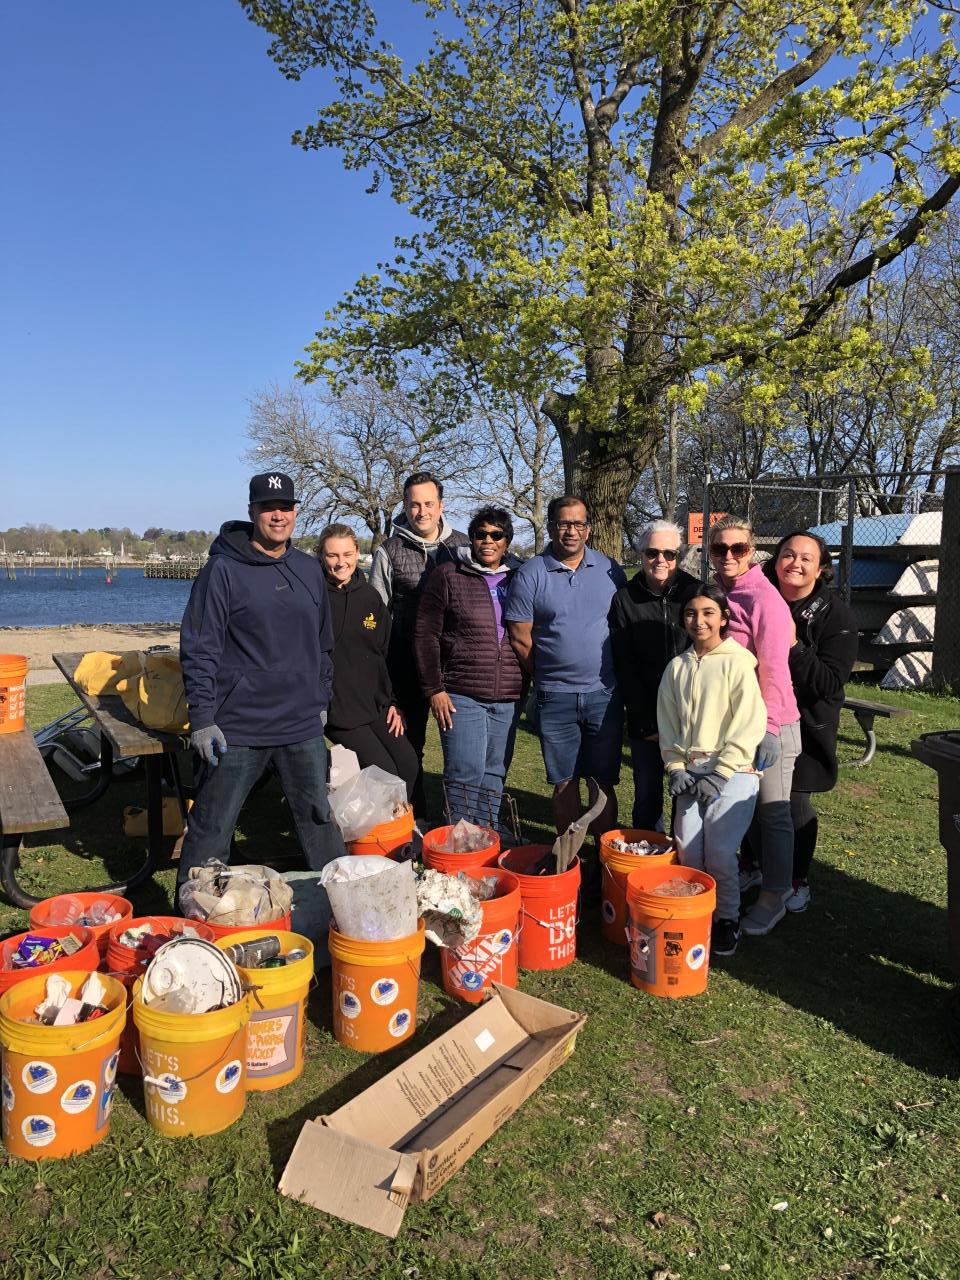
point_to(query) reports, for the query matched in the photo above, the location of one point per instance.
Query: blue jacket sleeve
(326, 651)
(202, 634)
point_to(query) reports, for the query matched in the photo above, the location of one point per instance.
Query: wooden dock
(174, 568)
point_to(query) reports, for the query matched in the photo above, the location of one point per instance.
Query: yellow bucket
(278, 1011)
(194, 1067)
(58, 1082)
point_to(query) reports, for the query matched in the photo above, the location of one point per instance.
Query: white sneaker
(799, 900)
(749, 876)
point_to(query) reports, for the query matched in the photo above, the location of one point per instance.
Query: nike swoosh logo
(282, 586)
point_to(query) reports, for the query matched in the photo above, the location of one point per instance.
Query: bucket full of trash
(623, 851)
(60, 1035)
(228, 899)
(372, 899)
(98, 912)
(461, 847)
(55, 947)
(387, 838)
(670, 912)
(278, 969)
(491, 956)
(191, 1015)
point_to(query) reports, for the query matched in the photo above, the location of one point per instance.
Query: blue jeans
(477, 752)
(302, 769)
(708, 836)
(581, 734)
(647, 784)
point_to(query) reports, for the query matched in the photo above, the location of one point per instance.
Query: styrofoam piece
(919, 579)
(908, 625)
(197, 966)
(344, 765)
(910, 671)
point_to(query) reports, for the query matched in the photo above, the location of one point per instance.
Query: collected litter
(242, 896)
(70, 910)
(642, 848)
(568, 845)
(59, 1009)
(142, 938)
(36, 950)
(262, 953)
(465, 837)
(367, 799)
(679, 888)
(451, 913)
(188, 975)
(373, 899)
(482, 887)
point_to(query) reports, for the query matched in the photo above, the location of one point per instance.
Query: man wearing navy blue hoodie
(255, 646)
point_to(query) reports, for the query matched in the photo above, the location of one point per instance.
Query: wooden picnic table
(28, 799)
(865, 712)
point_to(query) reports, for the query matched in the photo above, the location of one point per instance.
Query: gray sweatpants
(771, 835)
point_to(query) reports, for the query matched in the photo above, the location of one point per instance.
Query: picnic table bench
(28, 798)
(865, 712)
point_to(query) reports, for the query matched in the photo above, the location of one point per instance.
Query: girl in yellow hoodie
(711, 718)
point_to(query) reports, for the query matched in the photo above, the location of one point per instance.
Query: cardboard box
(400, 1140)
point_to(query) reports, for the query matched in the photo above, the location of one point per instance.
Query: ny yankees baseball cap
(272, 484)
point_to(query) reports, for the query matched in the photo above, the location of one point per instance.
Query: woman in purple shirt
(468, 669)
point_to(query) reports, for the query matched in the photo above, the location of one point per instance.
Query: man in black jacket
(646, 631)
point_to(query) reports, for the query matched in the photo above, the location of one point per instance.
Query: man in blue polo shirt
(557, 611)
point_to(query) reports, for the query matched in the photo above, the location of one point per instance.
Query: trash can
(941, 751)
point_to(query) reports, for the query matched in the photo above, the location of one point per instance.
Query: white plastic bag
(373, 898)
(364, 801)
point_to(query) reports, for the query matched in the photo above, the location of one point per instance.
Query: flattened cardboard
(404, 1137)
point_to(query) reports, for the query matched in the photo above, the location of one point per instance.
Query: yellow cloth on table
(98, 673)
(154, 695)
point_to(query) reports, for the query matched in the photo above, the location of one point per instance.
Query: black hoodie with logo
(256, 643)
(361, 634)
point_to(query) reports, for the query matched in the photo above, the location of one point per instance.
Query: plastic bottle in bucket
(669, 936)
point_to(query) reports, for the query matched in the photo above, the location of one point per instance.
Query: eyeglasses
(652, 553)
(576, 526)
(736, 549)
(489, 535)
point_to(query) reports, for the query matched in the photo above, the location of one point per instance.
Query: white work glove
(768, 752)
(209, 743)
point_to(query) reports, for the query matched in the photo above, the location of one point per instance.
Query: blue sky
(166, 252)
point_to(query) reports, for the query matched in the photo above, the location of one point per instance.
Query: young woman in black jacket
(363, 716)
(821, 660)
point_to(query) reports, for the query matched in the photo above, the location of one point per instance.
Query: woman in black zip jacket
(821, 660)
(362, 714)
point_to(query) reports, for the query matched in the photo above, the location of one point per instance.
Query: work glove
(708, 787)
(768, 752)
(680, 780)
(209, 743)
(323, 718)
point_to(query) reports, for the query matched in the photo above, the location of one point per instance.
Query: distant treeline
(44, 540)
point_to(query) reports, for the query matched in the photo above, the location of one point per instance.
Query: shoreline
(39, 644)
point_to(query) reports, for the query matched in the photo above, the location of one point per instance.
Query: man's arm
(381, 575)
(202, 634)
(521, 641)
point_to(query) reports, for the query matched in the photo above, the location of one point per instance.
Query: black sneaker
(724, 938)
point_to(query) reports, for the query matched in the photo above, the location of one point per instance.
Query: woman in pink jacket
(761, 621)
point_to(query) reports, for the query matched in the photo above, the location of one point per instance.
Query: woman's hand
(443, 710)
(394, 722)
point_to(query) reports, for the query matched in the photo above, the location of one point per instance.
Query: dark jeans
(647, 783)
(302, 769)
(804, 833)
(375, 744)
(415, 709)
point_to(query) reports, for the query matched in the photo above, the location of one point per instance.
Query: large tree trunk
(603, 471)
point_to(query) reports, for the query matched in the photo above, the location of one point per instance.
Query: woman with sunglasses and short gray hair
(647, 633)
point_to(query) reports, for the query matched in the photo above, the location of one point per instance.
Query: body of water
(46, 599)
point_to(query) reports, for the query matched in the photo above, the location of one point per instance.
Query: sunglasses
(652, 553)
(489, 535)
(736, 549)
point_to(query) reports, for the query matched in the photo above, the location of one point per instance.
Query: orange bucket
(375, 990)
(221, 931)
(451, 863)
(194, 1067)
(277, 1029)
(617, 866)
(492, 955)
(548, 908)
(126, 964)
(669, 937)
(385, 837)
(13, 692)
(86, 959)
(59, 910)
(58, 1082)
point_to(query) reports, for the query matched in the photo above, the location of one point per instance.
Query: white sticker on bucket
(39, 1131)
(39, 1077)
(110, 1070)
(470, 980)
(399, 1024)
(484, 1040)
(501, 942)
(6, 1091)
(696, 956)
(229, 1077)
(384, 991)
(350, 1006)
(77, 1097)
(170, 1087)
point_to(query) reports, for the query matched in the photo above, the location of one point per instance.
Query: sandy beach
(39, 644)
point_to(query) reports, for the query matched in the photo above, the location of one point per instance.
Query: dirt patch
(646, 1069)
(861, 790)
(760, 1092)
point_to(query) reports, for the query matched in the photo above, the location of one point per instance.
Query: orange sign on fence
(695, 524)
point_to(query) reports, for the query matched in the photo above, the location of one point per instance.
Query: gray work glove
(323, 718)
(768, 752)
(709, 786)
(680, 780)
(209, 743)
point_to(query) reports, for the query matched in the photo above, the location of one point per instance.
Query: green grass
(815, 1071)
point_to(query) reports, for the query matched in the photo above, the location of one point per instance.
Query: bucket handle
(149, 1079)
